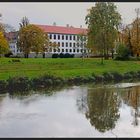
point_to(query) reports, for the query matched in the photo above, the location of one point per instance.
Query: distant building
(65, 37)
(12, 39)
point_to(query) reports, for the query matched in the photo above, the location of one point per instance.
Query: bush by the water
(3, 86)
(22, 84)
(18, 84)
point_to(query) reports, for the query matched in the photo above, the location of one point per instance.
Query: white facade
(68, 43)
(13, 47)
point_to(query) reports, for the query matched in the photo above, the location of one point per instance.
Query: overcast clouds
(61, 13)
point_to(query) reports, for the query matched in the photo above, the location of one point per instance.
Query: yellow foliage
(4, 47)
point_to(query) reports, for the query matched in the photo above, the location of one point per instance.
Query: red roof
(11, 35)
(62, 30)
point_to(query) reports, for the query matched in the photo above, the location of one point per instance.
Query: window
(70, 44)
(70, 37)
(54, 36)
(58, 44)
(77, 50)
(50, 50)
(77, 44)
(70, 50)
(62, 50)
(50, 36)
(73, 44)
(66, 44)
(66, 50)
(66, 37)
(81, 50)
(74, 37)
(58, 50)
(62, 44)
(58, 37)
(54, 50)
(84, 44)
(73, 50)
(62, 37)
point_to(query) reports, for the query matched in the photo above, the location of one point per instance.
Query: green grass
(66, 67)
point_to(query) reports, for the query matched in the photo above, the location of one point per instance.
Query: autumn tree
(4, 47)
(103, 20)
(135, 34)
(32, 38)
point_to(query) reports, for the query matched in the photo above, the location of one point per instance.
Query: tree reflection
(103, 106)
(132, 98)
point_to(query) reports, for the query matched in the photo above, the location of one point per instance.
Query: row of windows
(66, 44)
(68, 50)
(64, 37)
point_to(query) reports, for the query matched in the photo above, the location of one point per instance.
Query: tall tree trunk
(43, 55)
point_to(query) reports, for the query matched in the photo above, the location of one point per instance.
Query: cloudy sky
(59, 12)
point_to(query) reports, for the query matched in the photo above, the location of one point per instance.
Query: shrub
(123, 52)
(61, 55)
(99, 78)
(3, 86)
(117, 76)
(18, 84)
(8, 54)
(55, 55)
(108, 76)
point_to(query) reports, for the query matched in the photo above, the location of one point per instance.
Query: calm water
(79, 111)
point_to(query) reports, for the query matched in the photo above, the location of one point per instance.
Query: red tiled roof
(62, 30)
(11, 35)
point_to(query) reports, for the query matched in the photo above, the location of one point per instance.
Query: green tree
(103, 20)
(123, 52)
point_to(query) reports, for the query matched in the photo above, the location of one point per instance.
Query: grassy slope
(70, 67)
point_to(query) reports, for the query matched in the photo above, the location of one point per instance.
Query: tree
(122, 51)
(1, 25)
(135, 37)
(4, 46)
(103, 20)
(24, 22)
(81, 42)
(31, 38)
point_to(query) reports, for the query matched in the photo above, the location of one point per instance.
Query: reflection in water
(132, 98)
(75, 111)
(103, 108)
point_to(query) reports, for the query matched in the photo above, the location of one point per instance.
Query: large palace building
(65, 37)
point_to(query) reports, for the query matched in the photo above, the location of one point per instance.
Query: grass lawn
(62, 67)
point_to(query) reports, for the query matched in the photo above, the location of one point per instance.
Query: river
(79, 111)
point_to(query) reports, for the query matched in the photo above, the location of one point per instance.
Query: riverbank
(26, 74)
(62, 67)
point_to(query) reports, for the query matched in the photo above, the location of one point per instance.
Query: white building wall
(66, 48)
(15, 51)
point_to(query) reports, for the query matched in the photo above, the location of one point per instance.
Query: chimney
(67, 25)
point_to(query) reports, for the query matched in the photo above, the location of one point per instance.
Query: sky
(47, 13)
